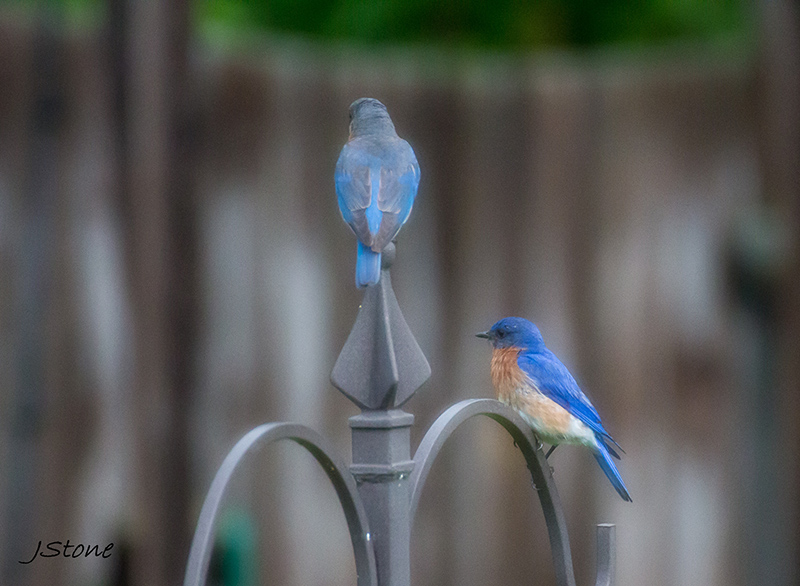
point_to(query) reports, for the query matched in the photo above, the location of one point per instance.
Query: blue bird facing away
(377, 176)
(530, 379)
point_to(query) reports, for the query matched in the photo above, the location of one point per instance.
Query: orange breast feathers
(547, 418)
(507, 376)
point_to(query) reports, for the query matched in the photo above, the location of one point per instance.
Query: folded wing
(394, 166)
(553, 379)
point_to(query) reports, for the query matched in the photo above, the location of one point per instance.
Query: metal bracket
(356, 516)
(452, 418)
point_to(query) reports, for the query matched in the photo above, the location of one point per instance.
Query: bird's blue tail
(368, 266)
(603, 458)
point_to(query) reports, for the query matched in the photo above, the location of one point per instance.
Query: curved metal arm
(523, 436)
(343, 482)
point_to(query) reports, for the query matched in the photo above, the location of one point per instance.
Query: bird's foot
(550, 451)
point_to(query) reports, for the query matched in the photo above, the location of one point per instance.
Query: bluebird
(377, 176)
(530, 379)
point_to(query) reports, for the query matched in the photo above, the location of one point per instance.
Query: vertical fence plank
(159, 222)
(774, 521)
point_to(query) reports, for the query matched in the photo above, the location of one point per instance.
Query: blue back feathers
(377, 176)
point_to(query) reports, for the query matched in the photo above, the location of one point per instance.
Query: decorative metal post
(379, 369)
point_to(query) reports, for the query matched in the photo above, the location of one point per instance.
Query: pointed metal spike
(381, 365)
(366, 370)
(412, 365)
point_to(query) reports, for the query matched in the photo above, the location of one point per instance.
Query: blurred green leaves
(509, 24)
(504, 24)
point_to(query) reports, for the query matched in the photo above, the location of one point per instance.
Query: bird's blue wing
(399, 178)
(553, 379)
(354, 191)
(399, 181)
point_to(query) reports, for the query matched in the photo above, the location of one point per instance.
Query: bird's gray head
(369, 116)
(514, 332)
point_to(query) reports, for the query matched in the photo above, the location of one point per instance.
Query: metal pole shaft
(381, 466)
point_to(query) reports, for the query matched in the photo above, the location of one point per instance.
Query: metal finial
(381, 365)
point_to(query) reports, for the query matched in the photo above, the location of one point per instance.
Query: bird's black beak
(483, 335)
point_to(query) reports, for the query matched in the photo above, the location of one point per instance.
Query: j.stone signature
(56, 547)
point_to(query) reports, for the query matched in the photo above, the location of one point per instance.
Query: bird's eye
(501, 333)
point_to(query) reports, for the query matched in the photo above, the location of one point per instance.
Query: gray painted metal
(203, 541)
(381, 365)
(606, 554)
(524, 438)
(382, 467)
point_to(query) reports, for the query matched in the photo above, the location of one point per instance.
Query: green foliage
(486, 23)
(507, 24)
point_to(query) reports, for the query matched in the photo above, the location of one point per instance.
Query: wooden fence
(176, 272)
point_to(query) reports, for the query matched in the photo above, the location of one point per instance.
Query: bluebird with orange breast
(530, 379)
(376, 178)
